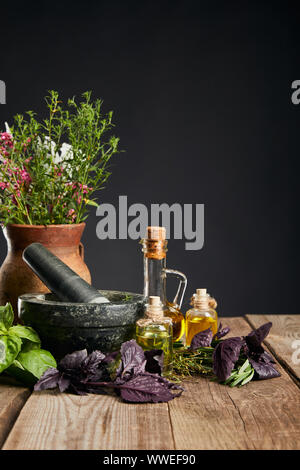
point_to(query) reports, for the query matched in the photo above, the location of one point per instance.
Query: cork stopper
(154, 308)
(201, 292)
(155, 243)
(154, 312)
(201, 299)
(156, 233)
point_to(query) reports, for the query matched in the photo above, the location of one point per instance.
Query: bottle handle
(181, 286)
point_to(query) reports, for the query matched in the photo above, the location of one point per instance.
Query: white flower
(7, 129)
(61, 157)
(66, 153)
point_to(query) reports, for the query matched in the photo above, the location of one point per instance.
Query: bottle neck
(155, 254)
(155, 278)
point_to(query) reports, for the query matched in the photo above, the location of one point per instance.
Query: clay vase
(16, 278)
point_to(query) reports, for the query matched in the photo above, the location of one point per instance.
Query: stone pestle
(59, 278)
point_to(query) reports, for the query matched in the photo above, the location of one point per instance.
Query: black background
(201, 93)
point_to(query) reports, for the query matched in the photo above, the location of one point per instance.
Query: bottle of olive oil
(154, 247)
(154, 331)
(201, 317)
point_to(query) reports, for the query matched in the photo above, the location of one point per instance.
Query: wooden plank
(261, 415)
(12, 399)
(51, 420)
(283, 340)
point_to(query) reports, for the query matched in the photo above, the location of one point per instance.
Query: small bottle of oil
(201, 316)
(154, 331)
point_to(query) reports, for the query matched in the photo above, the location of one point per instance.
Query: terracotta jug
(17, 278)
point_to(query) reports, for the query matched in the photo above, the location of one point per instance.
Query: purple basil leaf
(145, 388)
(263, 367)
(63, 382)
(202, 339)
(92, 361)
(133, 359)
(155, 361)
(225, 355)
(48, 380)
(221, 332)
(256, 337)
(266, 357)
(73, 361)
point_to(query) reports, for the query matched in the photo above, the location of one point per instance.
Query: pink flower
(59, 171)
(6, 139)
(25, 176)
(72, 214)
(3, 151)
(3, 185)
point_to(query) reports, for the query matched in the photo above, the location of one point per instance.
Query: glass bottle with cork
(154, 331)
(201, 316)
(154, 248)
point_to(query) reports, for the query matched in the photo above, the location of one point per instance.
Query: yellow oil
(178, 321)
(199, 323)
(156, 336)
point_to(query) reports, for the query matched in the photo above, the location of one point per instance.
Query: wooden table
(260, 415)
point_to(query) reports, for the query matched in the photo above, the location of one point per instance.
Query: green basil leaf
(29, 345)
(6, 316)
(17, 371)
(10, 347)
(25, 332)
(36, 361)
(18, 364)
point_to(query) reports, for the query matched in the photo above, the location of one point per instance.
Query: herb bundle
(232, 361)
(51, 168)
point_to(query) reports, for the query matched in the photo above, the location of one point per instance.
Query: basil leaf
(25, 332)
(10, 347)
(29, 345)
(17, 371)
(6, 317)
(36, 361)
